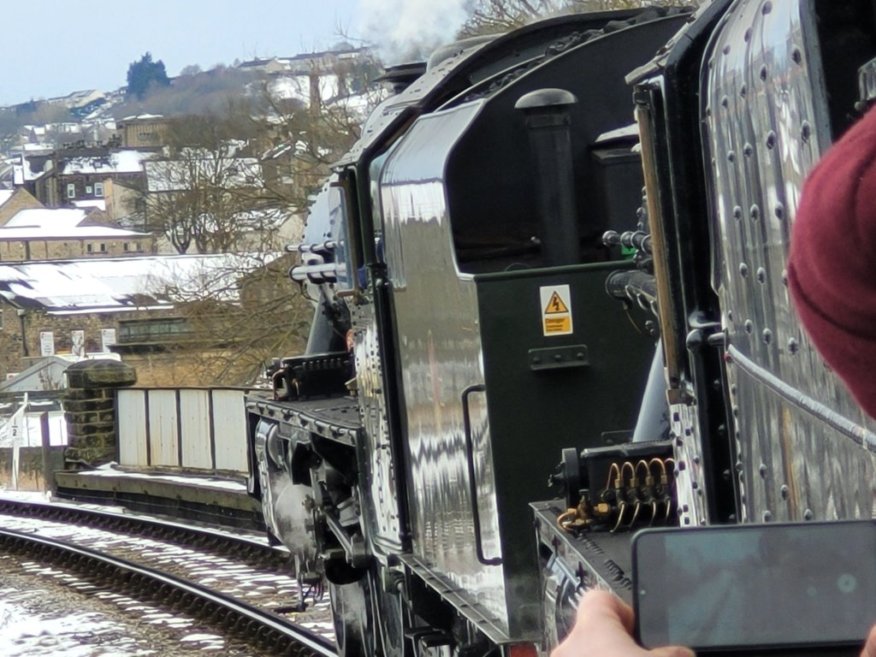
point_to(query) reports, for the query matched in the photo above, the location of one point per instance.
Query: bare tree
(237, 317)
(207, 192)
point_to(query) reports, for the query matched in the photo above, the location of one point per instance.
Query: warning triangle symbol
(555, 305)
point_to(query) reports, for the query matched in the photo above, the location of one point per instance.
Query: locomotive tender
(493, 297)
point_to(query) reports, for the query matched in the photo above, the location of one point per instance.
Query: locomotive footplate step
(598, 559)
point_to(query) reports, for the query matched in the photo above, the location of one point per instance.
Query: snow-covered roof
(98, 203)
(5, 195)
(198, 168)
(46, 218)
(124, 161)
(59, 223)
(109, 285)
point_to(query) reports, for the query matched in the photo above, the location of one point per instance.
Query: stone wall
(89, 406)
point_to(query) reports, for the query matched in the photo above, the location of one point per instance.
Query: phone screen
(749, 586)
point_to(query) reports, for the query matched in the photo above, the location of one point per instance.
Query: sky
(51, 48)
(54, 47)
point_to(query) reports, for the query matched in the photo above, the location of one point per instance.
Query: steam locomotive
(495, 295)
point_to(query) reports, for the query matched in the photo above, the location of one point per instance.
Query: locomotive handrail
(472, 481)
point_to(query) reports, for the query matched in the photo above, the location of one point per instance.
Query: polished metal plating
(441, 355)
(766, 124)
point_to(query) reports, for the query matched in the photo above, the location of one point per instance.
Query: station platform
(185, 496)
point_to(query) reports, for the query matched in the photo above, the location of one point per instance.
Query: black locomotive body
(493, 296)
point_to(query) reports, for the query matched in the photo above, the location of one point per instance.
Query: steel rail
(249, 623)
(135, 524)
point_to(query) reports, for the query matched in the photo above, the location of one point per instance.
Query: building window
(98, 190)
(103, 248)
(126, 247)
(71, 190)
(88, 189)
(89, 248)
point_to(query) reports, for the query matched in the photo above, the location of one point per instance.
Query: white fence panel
(229, 418)
(192, 428)
(163, 428)
(132, 428)
(196, 429)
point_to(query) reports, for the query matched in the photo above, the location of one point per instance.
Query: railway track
(239, 585)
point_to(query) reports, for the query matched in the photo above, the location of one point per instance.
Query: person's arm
(604, 628)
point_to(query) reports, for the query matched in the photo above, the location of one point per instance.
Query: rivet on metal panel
(749, 326)
(805, 131)
(731, 156)
(785, 277)
(747, 36)
(726, 49)
(743, 269)
(696, 460)
(762, 469)
(737, 213)
(767, 336)
(733, 389)
(767, 516)
(743, 91)
(771, 139)
(729, 315)
(767, 7)
(735, 411)
(808, 515)
(754, 213)
(694, 485)
(779, 211)
(784, 491)
(763, 73)
(739, 466)
(797, 56)
(708, 110)
(725, 101)
(711, 63)
(761, 275)
(748, 149)
(793, 346)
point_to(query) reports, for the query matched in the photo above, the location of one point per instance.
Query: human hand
(869, 649)
(604, 628)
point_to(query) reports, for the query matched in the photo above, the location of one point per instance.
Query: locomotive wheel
(353, 618)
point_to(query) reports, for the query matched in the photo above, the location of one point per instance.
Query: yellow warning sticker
(556, 310)
(555, 305)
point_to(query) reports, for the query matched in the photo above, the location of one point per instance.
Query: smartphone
(744, 587)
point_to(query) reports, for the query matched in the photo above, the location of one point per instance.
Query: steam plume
(405, 30)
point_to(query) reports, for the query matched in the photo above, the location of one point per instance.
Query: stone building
(78, 175)
(169, 317)
(61, 234)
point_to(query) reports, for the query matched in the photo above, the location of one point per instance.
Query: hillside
(257, 86)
